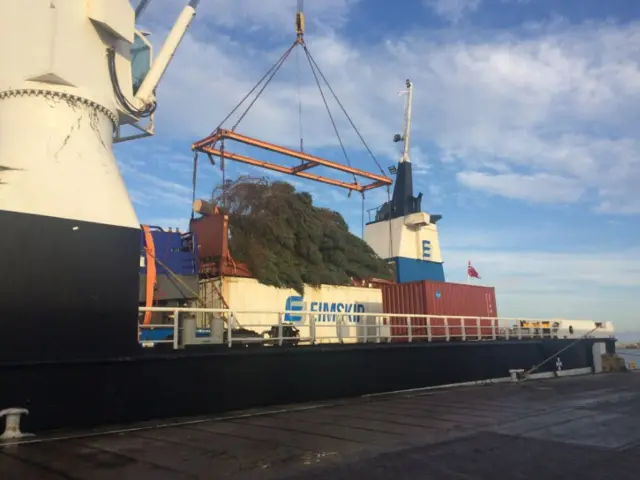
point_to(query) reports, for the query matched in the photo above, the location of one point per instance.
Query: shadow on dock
(582, 427)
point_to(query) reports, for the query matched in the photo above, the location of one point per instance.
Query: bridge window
(140, 61)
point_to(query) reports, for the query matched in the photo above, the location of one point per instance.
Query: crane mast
(73, 73)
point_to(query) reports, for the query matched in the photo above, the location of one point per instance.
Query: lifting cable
(275, 66)
(222, 169)
(343, 109)
(299, 99)
(362, 213)
(193, 184)
(317, 73)
(389, 222)
(324, 100)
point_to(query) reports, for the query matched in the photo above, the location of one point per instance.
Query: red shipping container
(475, 304)
(212, 234)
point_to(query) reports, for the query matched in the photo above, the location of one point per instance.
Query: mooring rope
(536, 367)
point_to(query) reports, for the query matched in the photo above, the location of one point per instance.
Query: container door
(490, 307)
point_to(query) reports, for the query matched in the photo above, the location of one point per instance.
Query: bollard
(12, 423)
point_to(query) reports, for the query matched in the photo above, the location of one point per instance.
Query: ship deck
(575, 427)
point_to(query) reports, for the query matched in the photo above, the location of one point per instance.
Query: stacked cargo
(459, 311)
(336, 309)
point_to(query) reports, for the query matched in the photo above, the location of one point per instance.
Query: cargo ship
(86, 309)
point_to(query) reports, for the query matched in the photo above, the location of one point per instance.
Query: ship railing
(271, 327)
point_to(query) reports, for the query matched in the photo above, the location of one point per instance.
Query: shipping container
(214, 258)
(470, 310)
(212, 236)
(258, 307)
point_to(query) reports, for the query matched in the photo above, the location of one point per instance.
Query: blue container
(177, 251)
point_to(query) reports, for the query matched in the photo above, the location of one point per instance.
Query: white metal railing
(352, 327)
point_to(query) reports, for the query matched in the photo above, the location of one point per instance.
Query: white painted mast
(406, 134)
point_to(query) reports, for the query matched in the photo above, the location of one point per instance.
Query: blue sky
(525, 129)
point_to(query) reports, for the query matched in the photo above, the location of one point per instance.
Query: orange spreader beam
(207, 145)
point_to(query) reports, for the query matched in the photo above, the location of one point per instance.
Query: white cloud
(558, 102)
(597, 285)
(551, 271)
(540, 188)
(453, 10)
(153, 188)
(547, 115)
(421, 164)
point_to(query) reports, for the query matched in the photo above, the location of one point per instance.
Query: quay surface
(585, 427)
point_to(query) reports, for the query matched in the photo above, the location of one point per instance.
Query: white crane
(73, 72)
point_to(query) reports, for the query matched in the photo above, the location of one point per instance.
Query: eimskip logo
(323, 311)
(294, 303)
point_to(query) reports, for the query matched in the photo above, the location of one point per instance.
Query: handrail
(357, 327)
(363, 314)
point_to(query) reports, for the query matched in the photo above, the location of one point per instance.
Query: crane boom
(145, 92)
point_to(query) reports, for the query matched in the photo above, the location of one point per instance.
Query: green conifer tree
(288, 242)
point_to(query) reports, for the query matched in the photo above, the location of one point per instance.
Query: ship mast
(406, 133)
(403, 202)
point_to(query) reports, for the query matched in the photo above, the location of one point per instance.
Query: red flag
(472, 272)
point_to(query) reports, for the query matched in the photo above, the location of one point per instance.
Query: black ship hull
(84, 394)
(68, 289)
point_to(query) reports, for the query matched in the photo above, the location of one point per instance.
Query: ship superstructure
(401, 232)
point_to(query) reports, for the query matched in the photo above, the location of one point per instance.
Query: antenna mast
(406, 134)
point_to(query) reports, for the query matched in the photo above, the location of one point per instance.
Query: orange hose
(151, 271)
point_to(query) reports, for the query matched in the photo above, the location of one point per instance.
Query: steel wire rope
(314, 63)
(344, 110)
(193, 182)
(278, 65)
(278, 62)
(324, 100)
(362, 213)
(299, 93)
(390, 229)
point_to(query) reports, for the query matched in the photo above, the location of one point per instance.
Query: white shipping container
(337, 308)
